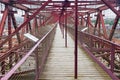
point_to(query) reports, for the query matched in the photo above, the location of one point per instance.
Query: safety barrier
(31, 64)
(104, 52)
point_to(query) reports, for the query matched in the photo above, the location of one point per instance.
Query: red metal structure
(32, 16)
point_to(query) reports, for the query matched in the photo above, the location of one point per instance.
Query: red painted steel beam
(101, 8)
(25, 22)
(19, 6)
(113, 27)
(71, 6)
(96, 23)
(112, 61)
(69, 1)
(65, 28)
(24, 29)
(55, 17)
(26, 16)
(76, 41)
(26, 2)
(12, 71)
(4, 1)
(91, 10)
(22, 7)
(9, 30)
(15, 27)
(2, 23)
(103, 25)
(89, 23)
(99, 22)
(79, 8)
(43, 23)
(35, 25)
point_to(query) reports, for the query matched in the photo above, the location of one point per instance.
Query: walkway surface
(60, 63)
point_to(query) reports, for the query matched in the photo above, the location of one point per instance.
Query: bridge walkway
(60, 63)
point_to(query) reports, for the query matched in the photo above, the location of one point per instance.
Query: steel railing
(31, 64)
(104, 52)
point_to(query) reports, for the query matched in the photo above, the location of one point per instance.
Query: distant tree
(109, 21)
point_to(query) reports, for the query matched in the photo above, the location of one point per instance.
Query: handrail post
(37, 64)
(66, 28)
(112, 58)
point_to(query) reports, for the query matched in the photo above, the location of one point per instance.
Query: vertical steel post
(17, 34)
(99, 26)
(37, 64)
(2, 24)
(61, 27)
(96, 23)
(103, 25)
(9, 30)
(35, 25)
(88, 23)
(76, 42)
(4, 17)
(40, 20)
(66, 29)
(15, 26)
(25, 18)
(82, 20)
(10, 40)
(113, 28)
(63, 30)
(3, 67)
(112, 58)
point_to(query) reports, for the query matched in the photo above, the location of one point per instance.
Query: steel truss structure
(72, 15)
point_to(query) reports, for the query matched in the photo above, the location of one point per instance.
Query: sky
(109, 14)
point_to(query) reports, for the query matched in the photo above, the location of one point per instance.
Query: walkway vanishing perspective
(92, 51)
(60, 63)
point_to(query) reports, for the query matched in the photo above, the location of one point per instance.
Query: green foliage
(109, 21)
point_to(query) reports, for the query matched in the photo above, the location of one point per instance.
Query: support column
(65, 28)
(10, 40)
(37, 64)
(96, 23)
(4, 17)
(103, 25)
(82, 20)
(2, 24)
(113, 28)
(76, 42)
(112, 58)
(15, 27)
(35, 26)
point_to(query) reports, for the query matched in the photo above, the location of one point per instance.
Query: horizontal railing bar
(12, 71)
(100, 64)
(87, 42)
(104, 40)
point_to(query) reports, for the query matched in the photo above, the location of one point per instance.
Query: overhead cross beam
(25, 22)
(19, 6)
(108, 4)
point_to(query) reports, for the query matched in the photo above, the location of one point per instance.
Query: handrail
(99, 47)
(105, 40)
(112, 47)
(11, 72)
